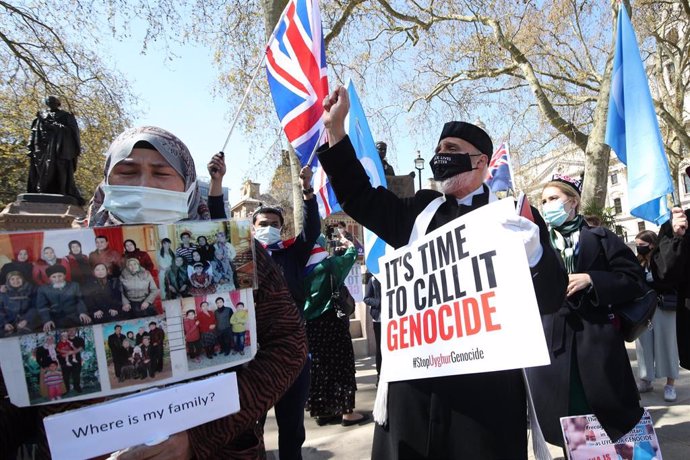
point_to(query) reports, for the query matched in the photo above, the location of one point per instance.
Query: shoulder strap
(423, 220)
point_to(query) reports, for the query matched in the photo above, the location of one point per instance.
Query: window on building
(619, 230)
(640, 226)
(614, 178)
(617, 205)
(686, 183)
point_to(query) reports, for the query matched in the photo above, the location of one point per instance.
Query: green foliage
(601, 215)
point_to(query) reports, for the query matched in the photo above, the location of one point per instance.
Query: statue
(53, 149)
(382, 148)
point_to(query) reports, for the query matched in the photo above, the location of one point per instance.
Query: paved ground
(671, 421)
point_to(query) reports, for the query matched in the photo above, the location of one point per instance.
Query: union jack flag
(499, 177)
(296, 71)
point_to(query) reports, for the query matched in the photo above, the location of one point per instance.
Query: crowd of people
(577, 269)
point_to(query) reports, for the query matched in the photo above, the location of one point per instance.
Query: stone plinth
(30, 212)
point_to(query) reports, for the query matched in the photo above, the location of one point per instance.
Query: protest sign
(460, 300)
(94, 312)
(353, 281)
(103, 428)
(586, 439)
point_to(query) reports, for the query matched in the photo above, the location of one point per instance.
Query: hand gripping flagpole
(251, 83)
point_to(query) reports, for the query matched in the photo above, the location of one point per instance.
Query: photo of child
(60, 364)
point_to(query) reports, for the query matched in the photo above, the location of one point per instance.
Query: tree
(39, 57)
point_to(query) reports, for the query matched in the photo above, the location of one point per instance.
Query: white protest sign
(103, 428)
(460, 300)
(353, 281)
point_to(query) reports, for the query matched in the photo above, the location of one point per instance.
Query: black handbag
(636, 315)
(342, 300)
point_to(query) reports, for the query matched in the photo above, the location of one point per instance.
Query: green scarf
(565, 239)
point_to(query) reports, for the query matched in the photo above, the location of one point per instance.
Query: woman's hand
(84, 318)
(176, 447)
(577, 282)
(48, 326)
(98, 314)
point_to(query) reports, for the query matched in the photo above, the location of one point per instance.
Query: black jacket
(671, 265)
(464, 416)
(583, 329)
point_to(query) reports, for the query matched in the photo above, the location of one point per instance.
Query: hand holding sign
(529, 232)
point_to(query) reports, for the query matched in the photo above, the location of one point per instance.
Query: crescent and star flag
(360, 135)
(499, 177)
(632, 129)
(296, 72)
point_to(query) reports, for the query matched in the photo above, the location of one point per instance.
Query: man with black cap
(382, 149)
(59, 303)
(477, 416)
(672, 263)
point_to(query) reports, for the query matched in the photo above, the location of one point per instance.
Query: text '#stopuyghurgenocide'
(439, 360)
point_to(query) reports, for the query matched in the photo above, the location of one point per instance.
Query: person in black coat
(103, 295)
(671, 264)
(464, 416)
(590, 371)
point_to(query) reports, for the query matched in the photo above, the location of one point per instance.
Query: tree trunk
(272, 11)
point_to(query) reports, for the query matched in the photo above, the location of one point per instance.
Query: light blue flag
(363, 142)
(632, 129)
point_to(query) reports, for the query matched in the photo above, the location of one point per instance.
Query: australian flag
(499, 178)
(296, 71)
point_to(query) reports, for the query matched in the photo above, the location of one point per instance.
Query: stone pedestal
(40, 211)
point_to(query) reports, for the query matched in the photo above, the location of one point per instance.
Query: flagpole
(251, 83)
(316, 146)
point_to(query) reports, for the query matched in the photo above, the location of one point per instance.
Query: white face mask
(145, 205)
(267, 235)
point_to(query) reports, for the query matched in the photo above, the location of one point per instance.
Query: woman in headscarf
(204, 248)
(333, 384)
(78, 262)
(590, 371)
(163, 162)
(21, 263)
(132, 251)
(18, 314)
(139, 290)
(103, 296)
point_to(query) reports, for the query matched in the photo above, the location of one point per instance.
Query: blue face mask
(554, 213)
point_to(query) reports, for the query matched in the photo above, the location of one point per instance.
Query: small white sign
(460, 300)
(144, 417)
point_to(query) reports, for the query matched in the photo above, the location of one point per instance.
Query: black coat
(465, 416)
(671, 265)
(583, 329)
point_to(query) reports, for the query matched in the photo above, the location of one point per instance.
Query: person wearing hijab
(132, 251)
(18, 314)
(21, 263)
(139, 290)
(478, 415)
(590, 371)
(162, 162)
(103, 296)
(177, 280)
(78, 262)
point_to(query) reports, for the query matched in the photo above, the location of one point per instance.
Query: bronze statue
(382, 148)
(54, 148)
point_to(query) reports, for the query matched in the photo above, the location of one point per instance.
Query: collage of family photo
(60, 364)
(203, 258)
(216, 329)
(68, 278)
(137, 351)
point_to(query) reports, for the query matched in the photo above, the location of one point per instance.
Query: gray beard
(59, 285)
